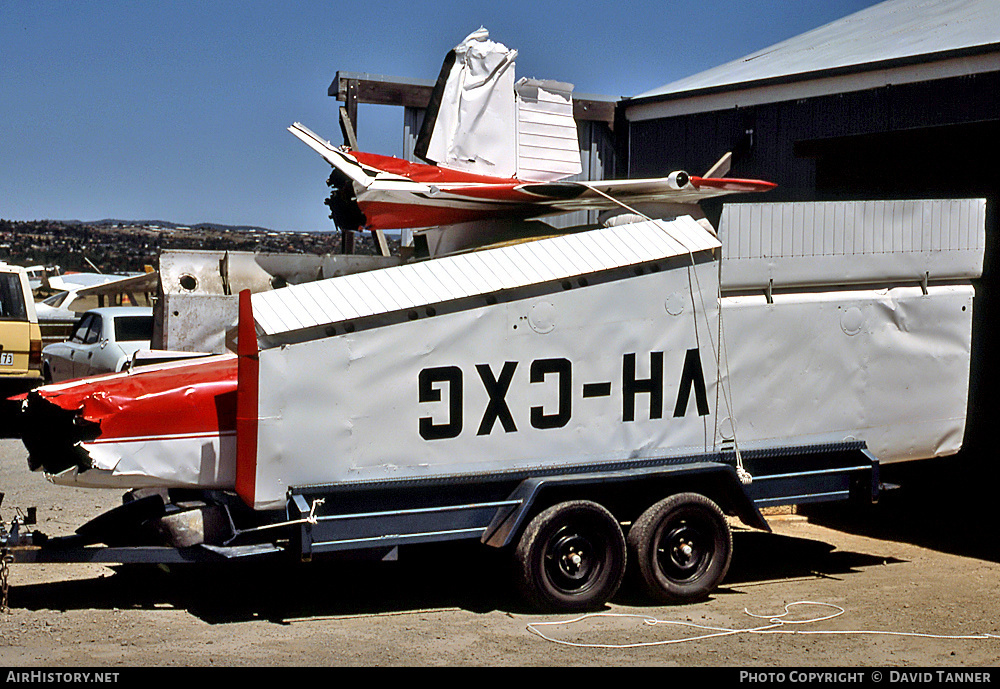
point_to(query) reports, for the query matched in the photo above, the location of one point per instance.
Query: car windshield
(55, 299)
(133, 328)
(12, 307)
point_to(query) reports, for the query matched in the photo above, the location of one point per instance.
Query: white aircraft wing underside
(326, 302)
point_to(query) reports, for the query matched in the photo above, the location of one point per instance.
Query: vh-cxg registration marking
(558, 372)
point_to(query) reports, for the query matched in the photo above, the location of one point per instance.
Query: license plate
(6, 358)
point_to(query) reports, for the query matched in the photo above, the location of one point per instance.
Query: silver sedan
(103, 341)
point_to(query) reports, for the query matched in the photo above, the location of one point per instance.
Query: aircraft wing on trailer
(390, 193)
(60, 306)
(142, 282)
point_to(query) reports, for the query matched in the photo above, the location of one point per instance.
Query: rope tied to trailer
(742, 474)
(745, 478)
(312, 519)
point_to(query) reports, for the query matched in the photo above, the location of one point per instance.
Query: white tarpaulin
(475, 124)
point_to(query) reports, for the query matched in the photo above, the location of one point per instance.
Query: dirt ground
(908, 567)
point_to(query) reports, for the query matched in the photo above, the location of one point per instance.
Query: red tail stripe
(246, 402)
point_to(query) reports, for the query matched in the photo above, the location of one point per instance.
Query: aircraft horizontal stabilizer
(341, 160)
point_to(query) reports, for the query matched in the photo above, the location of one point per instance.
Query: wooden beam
(351, 104)
(380, 242)
(347, 128)
(588, 110)
(416, 93)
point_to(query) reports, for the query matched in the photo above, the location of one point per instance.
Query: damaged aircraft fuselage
(172, 424)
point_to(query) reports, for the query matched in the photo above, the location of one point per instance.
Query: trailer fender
(727, 490)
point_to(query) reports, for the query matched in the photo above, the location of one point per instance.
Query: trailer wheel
(571, 557)
(682, 546)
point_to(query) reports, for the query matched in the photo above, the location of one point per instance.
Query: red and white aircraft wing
(391, 193)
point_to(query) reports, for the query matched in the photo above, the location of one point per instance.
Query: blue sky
(176, 109)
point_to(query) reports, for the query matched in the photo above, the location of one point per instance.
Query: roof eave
(845, 70)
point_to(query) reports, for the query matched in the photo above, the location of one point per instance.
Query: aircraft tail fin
(480, 120)
(471, 120)
(721, 168)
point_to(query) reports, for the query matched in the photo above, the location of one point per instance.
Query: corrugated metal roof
(349, 297)
(890, 31)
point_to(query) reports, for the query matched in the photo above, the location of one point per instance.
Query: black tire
(681, 547)
(571, 557)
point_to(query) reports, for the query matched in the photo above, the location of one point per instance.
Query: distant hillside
(116, 222)
(129, 245)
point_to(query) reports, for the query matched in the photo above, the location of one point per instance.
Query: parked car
(57, 307)
(103, 341)
(20, 336)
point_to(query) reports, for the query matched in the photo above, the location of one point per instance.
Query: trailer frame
(374, 519)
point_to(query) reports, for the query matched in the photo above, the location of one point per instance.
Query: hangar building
(896, 101)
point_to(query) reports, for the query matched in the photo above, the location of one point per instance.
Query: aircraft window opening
(133, 328)
(55, 299)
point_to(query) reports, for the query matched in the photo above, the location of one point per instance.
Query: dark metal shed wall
(781, 141)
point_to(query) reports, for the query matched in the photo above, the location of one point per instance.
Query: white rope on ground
(774, 626)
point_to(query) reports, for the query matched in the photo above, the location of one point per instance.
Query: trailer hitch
(17, 536)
